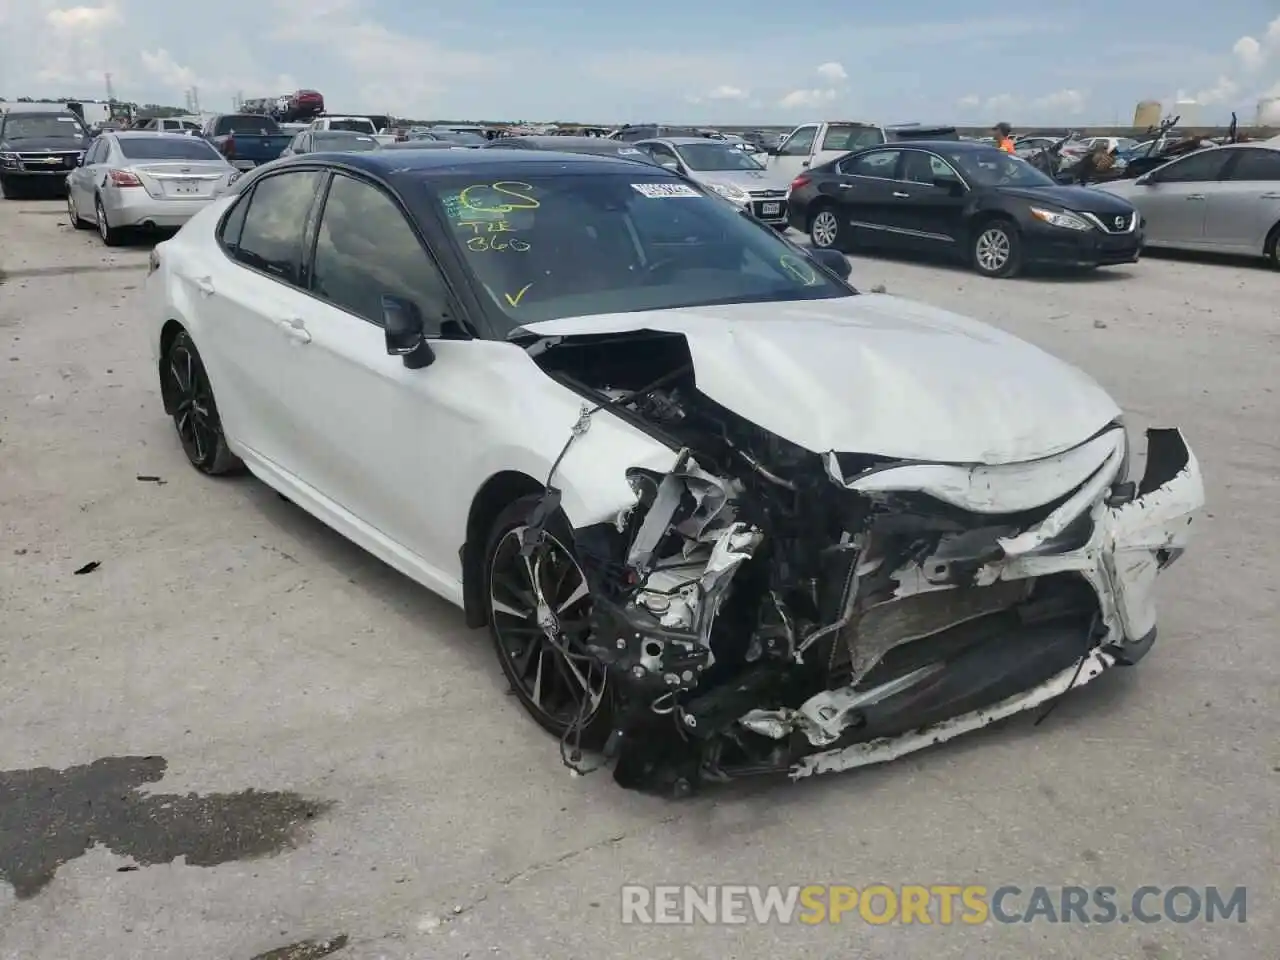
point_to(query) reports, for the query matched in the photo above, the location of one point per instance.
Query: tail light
(123, 178)
(801, 181)
(229, 146)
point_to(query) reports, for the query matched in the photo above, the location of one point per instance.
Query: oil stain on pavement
(49, 817)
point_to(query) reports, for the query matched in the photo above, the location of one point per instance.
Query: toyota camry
(720, 512)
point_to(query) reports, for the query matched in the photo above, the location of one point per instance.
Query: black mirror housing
(949, 184)
(405, 332)
(834, 261)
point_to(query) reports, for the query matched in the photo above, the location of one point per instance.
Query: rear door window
(272, 239)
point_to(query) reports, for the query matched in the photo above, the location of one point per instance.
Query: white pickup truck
(362, 125)
(813, 143)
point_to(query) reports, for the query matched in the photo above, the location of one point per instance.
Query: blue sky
(713, 61)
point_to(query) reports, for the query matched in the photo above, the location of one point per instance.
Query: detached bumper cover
(1130, 543)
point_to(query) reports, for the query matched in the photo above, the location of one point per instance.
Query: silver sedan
(138, 180)
(1218, 200)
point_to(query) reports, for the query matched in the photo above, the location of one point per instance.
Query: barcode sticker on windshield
(661, 191)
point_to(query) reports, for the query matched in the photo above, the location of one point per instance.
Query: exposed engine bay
(763, 608)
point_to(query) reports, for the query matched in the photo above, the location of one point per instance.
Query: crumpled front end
(761, 608)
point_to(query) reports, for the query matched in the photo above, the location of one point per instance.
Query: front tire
(10, 188)
(1272, 249)
(195, 412)
(539, 619)
(997, 249)
(826, 232)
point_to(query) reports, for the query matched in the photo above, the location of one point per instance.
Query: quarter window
(365, 248)
(271, 239)
(234, 224)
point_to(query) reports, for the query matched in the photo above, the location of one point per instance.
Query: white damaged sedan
(721, 514)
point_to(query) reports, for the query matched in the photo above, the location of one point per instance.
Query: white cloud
(1249, 52)
(832, 72)
(807, 98)
(83, 19)
(1000, 102)
(168, 72)
(969, 101)
(1221, 92)
(1063, 101)
(727, 92)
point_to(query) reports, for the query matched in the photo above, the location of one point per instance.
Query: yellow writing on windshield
(515, 301)
(501, 197)
(799, 269)
(483, 244)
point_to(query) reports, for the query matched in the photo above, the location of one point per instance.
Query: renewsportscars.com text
(941, 904)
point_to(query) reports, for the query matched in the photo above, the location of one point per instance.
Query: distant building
(1148, 114)
(1189, 111)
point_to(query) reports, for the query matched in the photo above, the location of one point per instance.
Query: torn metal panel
(1129, 542)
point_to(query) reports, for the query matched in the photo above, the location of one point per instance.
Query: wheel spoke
(578, 594)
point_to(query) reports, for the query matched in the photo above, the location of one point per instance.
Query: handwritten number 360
(480, 244)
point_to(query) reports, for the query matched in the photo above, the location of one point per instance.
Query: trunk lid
(180, 179)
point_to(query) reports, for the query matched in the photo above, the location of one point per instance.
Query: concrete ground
(228, 642)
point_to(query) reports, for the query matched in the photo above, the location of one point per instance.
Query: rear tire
(195, 411)
(997, 249)
(1272, 248)
(111, 236)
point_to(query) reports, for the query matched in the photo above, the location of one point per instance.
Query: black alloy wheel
(195, 412)
(539, 619)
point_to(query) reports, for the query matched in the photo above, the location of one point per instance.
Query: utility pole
(195, 100)
(111, 94)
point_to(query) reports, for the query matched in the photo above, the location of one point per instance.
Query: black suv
(39, 149)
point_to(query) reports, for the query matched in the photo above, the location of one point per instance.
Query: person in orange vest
(1004, 136)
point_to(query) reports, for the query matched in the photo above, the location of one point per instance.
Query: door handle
(805, 164)
(295, 328)
(1195, 196)
(845, 186)
(205, 285)
(901, 196)
(1270, 196)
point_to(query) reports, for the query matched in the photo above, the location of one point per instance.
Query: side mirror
(1144, 180)
(668, 164)
(949, 184)
(833, 260)
(405, 332)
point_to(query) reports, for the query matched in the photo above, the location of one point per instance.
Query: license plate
(185, 188)
(770, 209)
